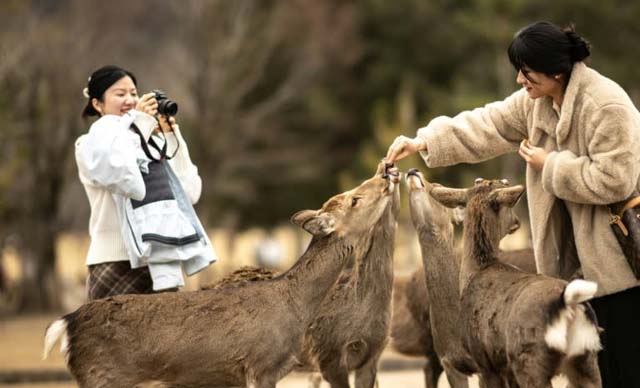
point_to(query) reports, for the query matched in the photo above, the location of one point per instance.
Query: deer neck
(309, 280)
(481, 239)
(374, 272)
(440, 263)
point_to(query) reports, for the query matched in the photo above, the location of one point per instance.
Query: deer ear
(509, 196)
(449, 197)
(318, 224)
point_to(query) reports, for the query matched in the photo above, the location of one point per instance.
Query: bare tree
(245, 74)
(258, 70)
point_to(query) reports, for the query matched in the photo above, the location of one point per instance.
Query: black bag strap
(162, 151)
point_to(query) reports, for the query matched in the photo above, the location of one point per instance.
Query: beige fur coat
(594, 160)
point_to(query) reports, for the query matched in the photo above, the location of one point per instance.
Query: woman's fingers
(524, 155)
(526, 148)
(395, 151)
(524, 151)
(167, 125)
(401, 147)
(148, 104)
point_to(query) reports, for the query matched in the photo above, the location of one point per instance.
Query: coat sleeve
(106, 156)
(477, 135)
(609, 172)
(184, 168)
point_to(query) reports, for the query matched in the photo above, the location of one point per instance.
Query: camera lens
(167, 107)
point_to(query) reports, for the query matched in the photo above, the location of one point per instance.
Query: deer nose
(413, 171)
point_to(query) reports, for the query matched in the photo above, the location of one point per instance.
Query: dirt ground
(21, 350)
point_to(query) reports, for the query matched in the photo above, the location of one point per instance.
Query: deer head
(355, 212)
(489, 200)
(425, 211)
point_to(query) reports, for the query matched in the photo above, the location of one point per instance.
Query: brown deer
(243, 274)
(441, 263)
(437, 284)
(411, 333)
(351, 327)
(520, 329)
(410, 324)
(237, 336)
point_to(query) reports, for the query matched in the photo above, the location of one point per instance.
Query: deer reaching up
(520, 329)
(441, 263)
(238, 336)
(351, 328)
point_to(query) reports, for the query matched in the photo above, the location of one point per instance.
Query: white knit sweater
(107, 164)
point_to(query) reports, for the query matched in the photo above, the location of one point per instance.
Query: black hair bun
(579, 49)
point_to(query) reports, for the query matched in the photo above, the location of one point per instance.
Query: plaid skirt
(115, 278)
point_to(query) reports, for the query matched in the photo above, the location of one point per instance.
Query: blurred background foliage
(283, 103)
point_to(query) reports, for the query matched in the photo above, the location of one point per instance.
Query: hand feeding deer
(240, 336)
(520, 329)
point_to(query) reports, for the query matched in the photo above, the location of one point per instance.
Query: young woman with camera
(579, 133)
(108, 163)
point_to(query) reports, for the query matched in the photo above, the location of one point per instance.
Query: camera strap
(145, 147)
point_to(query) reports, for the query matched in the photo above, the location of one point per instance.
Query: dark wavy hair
(100, 81)
(546, 48)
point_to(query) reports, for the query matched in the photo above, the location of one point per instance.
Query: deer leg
(510, 381)
(264, 383)
(535, 367)
(530, 381)
(315, 379)
(583, 372)
(432, 370)
(366, 375)
(335, 375)
(454, 377)
(492, 380)
(532, 378)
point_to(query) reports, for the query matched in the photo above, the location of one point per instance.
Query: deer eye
(354, 201)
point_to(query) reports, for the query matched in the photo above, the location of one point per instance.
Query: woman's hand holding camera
(147, 104)
(166, 126)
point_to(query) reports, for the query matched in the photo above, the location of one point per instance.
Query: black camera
(166, 106)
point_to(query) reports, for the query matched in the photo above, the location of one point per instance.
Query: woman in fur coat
(579, 134)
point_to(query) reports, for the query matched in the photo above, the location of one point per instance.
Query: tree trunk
(39, 289)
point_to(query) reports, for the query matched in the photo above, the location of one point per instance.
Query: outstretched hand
(404, 146)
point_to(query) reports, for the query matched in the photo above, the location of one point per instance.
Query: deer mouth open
(392, 174)
(414, 179)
